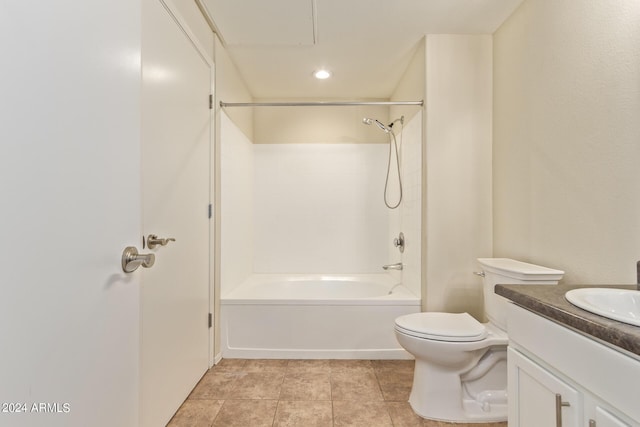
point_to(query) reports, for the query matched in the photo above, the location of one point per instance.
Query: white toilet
(461, 371)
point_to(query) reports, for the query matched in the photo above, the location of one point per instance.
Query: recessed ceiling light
(322, 74)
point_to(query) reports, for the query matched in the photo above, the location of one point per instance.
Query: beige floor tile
(304, 414)
(393, 365)
(215, 385)
(322, 366)
(230, 365)
(306, 386)
(255, 385)
(348, 365)
(360, 414)
(395, 385)
(239, 392)
(266, 365)
(196, 413)
(358, 385)
(395, 392)
(245, 413)
(403, 416)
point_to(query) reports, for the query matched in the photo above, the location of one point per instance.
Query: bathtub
(315, 317)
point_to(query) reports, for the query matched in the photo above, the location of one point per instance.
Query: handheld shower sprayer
(393, 147)
(368, 121)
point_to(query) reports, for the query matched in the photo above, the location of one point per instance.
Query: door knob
(153, 241)
(131, 259)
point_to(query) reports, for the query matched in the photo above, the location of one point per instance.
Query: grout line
(333, 416)
(275, 413)
(213, 421)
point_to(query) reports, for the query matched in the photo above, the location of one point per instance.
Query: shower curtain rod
(317, 103)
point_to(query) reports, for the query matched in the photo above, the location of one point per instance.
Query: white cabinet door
(537, 398)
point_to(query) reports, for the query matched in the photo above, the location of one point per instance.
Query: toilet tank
(505, 271)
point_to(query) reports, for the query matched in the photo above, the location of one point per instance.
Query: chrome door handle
(153, 241)
(131, 259)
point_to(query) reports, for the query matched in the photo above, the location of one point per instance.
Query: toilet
(461, 364)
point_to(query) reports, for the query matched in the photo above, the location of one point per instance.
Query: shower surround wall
(300, 208)
(236, 236)
(408, 217)
(318, 208)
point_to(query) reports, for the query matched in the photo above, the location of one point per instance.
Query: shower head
(368, 121)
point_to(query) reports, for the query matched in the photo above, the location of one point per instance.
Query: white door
(176, 134)
(70, 204)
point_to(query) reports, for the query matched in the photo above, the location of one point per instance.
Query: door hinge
(210, 320)
(210, 101)
(210, 210)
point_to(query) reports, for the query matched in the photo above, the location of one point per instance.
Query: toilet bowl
(460, 364)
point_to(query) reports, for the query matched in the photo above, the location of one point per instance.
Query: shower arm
(400, 119)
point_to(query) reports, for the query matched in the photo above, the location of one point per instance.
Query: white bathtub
(315, 317)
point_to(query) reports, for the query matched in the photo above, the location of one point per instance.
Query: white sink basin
(618, 304)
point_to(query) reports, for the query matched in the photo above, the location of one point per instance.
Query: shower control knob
(398, 242)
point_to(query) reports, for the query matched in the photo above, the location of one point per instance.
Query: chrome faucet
(396, 266)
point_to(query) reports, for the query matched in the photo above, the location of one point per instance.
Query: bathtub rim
(401, 294)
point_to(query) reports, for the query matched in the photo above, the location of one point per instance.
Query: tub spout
(396, 266)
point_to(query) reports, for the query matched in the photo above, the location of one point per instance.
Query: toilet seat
(454, 327)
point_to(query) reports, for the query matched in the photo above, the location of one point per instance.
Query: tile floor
(305, 393)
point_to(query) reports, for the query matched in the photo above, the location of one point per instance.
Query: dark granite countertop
(549, 301)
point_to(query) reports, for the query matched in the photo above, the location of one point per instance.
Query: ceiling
(366, 44)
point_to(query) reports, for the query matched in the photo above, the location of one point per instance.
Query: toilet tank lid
(519, 270)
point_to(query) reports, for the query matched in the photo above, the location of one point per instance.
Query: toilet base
(470, 412)
(473, 413)
(451, 401)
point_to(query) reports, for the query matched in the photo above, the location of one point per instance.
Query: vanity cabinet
(537, 398)
(562, 378)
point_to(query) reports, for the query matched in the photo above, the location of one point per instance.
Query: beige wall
(567, 138)
(458, 170)
(293, 125)
(411, 86)
(230, 87)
